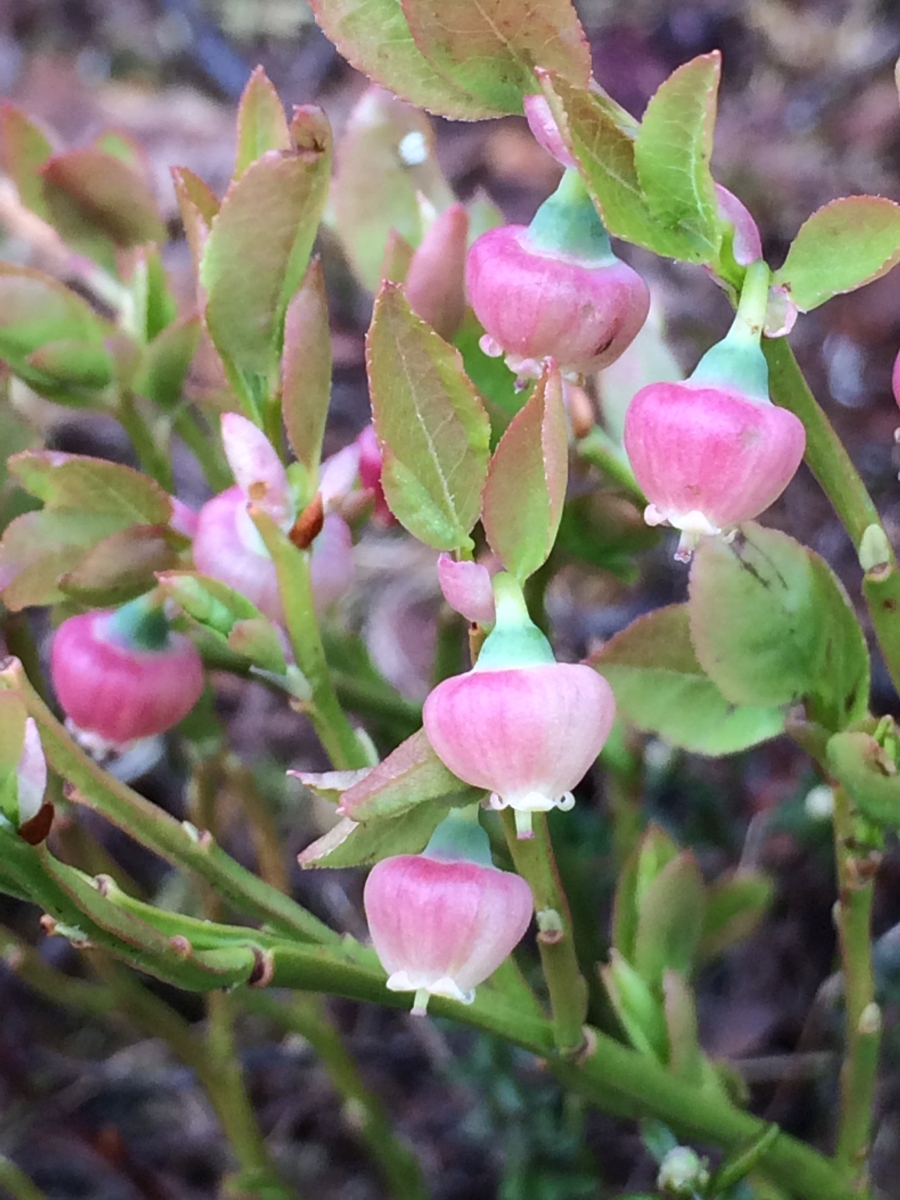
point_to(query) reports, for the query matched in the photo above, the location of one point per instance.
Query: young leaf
(411, 775)
(110, 195)
(735, 905)
(384, 162)
(526, 484)
(92, 485)
(771, 625)
(374, 37)
(673, 148)
(38, 548)
(491, 47)
(120, 566)
(606, 155)
(25, 149)
(154, 305)
(661, 688)
(72, 364)
(167, 360)
(36, 309)
(869, 774)
(306, 368)
(351, 845)
(431, 424)
(257, 253)
(841, 247)
(261, 123)
(670, 920)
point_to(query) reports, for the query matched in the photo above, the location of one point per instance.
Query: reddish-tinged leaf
(261, 123)
(257, 253)
(846, 244)
(373, 35)
(38, 547)
(91, 485)
(109, 194)
(79, 364)
(384, 161)
(306, 368)
(526, 485)
(121, 566)
(398, 254)
(431, 424)
(410, 776)
(25, 149)
(36, 309)
(351, 845)
(491, 47)
(167, 361)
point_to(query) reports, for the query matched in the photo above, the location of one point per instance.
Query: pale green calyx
(567, 222)
(515, 641)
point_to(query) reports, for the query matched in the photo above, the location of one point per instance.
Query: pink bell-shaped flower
(227, 545)
(443, 921)
(555, 289)
(519, 724)
(121, 674)
(714, 451)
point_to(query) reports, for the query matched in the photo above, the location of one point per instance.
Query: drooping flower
(444, 920)
(555, 289)
(122, 674)
(519, 724)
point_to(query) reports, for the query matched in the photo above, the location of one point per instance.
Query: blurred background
(808, 111)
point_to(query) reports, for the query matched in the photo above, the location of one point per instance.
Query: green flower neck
(140, 625)
(567, 223)
(515, 641)
(738, 361)
(460, 838)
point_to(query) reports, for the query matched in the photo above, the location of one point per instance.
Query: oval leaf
(306, 368)
(526, 485)
(661, 688)
(841, 247)
(673, 149)
(491, 47)
(261, 123)
(431, 424)
(76, 481)
(771, 624)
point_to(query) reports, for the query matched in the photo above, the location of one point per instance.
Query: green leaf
(670, 921)
(491, 47)
(121, 566)
(661, 688)
(39, 547)
(685, 1055)
(167, 361)
(654, 852)
(109, 194)
(431, 424)
(73, 364)
(154, 304)
(606, 155)
(209, 602)
(352, 845)
(257, 252)
(673, 149)
(25, 150)
(93, 485)
(869, 774)
(841, 247)
(306, 369)
(412, 775)
(384, 161)
(374, 37)
(526, 485)
(493, 379)
(261, 123)
(735, 905)
(35, 309)
(771, 624)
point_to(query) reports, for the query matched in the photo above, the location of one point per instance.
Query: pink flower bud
(435, 282)
(258, 471)
(183, 519)
(747, 245)
(331, 566)
(442, 927)
(526, 734)
(370, 465)
(467, 589)
(546, 132)
(537, 303)
(31, 773)
(108, 685)
(895, 379)
(709, 457)
(228, 547)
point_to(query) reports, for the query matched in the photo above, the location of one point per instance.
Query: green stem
(831, 464)
(203, 445)
(856, 887)
(154, 828)
(295, 588)
(304, 1015)
(16, 1183)
(751, 311)
(534, 860)
(152, 458)
(23, 960)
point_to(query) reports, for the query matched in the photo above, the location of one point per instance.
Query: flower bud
(122, 674)
(746, 243)
(442, 923)
(519, 724)
(546, 132)
(467, 589)
(435, 282)
(228, 547)
(370, 467)
(555, 289)
(709, 457)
